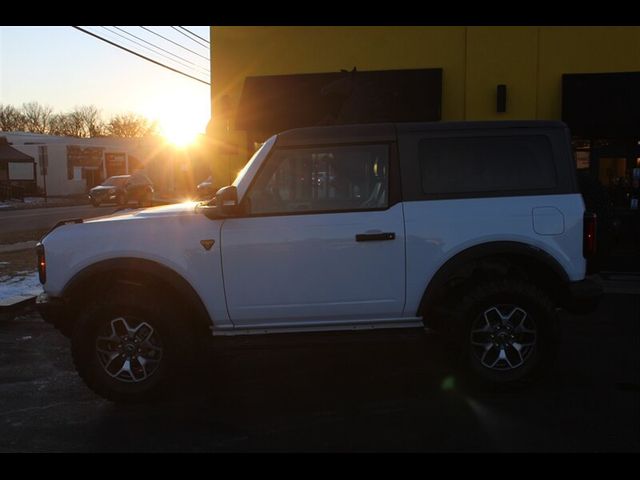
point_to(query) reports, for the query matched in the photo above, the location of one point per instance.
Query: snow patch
(19, 287)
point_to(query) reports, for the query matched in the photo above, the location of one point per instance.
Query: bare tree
(63, 124)
(11, 119)
(130, 125)
(37, 117)
(89, 120)
(83, 122)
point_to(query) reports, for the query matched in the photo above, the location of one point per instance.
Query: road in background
(42, 218)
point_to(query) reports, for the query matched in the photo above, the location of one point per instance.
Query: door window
(322, 179)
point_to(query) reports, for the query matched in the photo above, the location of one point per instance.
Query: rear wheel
(505, 331)
(130, 347)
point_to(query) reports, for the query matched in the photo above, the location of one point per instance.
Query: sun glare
(180, 132)
(180, 118)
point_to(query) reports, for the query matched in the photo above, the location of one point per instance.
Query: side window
(322, 179)
(139, 180)
(486, 164)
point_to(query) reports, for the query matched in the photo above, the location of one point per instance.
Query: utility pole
(44, 163)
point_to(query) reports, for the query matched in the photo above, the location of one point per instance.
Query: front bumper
(103, 197)
(55, 311)
(583, 296)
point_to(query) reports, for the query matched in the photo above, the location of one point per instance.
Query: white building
(70, 166)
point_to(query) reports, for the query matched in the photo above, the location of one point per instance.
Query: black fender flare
(492, 249)
(142, 268)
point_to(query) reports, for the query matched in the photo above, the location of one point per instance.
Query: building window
(583, 161)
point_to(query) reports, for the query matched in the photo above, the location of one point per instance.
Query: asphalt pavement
(42, 218)
(394, 395)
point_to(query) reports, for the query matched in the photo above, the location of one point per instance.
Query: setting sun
(181, 117)
(179, 133)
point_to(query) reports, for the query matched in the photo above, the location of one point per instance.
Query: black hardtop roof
(382, 132)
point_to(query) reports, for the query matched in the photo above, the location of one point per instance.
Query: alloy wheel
(503, 337)
(129, 351)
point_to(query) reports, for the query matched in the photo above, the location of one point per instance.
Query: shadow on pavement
(394, 395)
(313, 398)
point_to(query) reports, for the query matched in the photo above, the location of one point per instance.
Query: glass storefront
(609, 175)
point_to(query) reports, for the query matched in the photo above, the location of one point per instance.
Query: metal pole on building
(43, 155)
(44, 179)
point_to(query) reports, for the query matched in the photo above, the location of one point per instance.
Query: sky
(63, 67)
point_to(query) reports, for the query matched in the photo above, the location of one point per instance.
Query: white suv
(476, 230)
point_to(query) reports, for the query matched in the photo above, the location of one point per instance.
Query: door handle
(375, 237)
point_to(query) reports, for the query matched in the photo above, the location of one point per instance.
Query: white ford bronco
(476, 230)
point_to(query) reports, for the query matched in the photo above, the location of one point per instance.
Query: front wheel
(506, 331)
(146, 200)
(128, 348)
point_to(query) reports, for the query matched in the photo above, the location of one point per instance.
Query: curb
(620, 283)
(17, 307)
(18, 247)
(17, 313)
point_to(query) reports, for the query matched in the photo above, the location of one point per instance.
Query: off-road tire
(508, 294)
(178, 344)
(146, 200)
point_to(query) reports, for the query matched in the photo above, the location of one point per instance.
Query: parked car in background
(122, 189)
(205, 189)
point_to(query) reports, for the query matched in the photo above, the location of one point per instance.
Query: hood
(176, 209)
(103, 188)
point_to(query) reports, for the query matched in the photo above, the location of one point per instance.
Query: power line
(141, 56)
(160, 48)
(192, 33)
(190, 38)
(153, 51)
(181, 46)
(206, 70)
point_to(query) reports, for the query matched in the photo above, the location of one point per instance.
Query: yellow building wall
(501, 55)
(529, 60)
(582, 50)
(238, 52)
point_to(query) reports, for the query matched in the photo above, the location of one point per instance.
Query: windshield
(242, 179)
(115, 181)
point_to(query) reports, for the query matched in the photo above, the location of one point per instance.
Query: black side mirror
(227, 201)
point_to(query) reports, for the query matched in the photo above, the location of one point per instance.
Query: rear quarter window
(513, 163)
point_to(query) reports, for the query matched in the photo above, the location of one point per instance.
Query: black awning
(10, 154)
(602, 105)
(271, 104)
